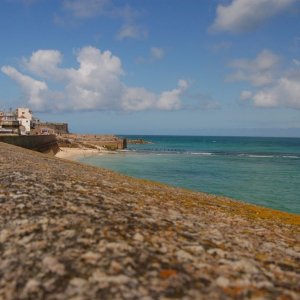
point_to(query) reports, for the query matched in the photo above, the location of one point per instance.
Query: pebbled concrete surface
(71, 231)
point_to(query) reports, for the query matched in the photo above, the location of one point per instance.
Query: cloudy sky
(220, 67)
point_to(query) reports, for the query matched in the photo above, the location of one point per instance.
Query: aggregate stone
(71, 231)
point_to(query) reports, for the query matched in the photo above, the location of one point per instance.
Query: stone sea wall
(40, 143)
(110, 142)
(60, 128)
(72, 231)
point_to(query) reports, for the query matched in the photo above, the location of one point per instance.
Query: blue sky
(221, 67)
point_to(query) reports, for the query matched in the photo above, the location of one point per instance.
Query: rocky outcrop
(71, 231)
(138, 142)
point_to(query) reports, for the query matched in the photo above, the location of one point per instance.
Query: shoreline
(78, 154)
(75, 153)
(253, 210)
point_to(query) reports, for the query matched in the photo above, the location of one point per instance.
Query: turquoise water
(264, 171)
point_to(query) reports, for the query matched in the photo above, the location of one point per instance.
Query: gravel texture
(71, 231)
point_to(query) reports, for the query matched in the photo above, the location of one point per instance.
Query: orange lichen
(166, 273)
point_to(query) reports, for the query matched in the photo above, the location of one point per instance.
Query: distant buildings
(24, 116)
(22, 122)
(10, 124)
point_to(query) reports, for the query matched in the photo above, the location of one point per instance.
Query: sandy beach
(76, 153)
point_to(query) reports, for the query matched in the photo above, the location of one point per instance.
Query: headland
(72, 231)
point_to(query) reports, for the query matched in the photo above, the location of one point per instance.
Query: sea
(260, 170)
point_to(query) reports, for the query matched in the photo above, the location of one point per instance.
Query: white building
(26, 125)
(24, 116)
(24, 112)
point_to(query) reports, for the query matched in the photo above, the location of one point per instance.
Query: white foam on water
(260, 156)
(202, 153)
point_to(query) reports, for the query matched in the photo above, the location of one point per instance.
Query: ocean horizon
(258, 170)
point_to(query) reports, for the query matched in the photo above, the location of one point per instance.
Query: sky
(185, 67)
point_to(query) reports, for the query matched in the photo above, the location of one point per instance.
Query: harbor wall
(110, 142)
(59, 128)
(40, 143)
(119, 144)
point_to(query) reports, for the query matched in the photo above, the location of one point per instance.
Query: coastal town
(21, 121)
(21, 128)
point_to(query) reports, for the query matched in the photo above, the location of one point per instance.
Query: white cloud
(270, 88)
(258, 71)
(157, 53)
(136, 99)
(131, 31)
(95, 84)
(169, 100)
(86, 8)
(286, 92)
(43, 63)
(245, 15)
(296, 62)
(245, 95)
(74, 10)
(35, 90)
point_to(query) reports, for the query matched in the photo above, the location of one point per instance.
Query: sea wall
(111, 142)
(59, 128)
(112, 145)
(72, 231)
(40, 143)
